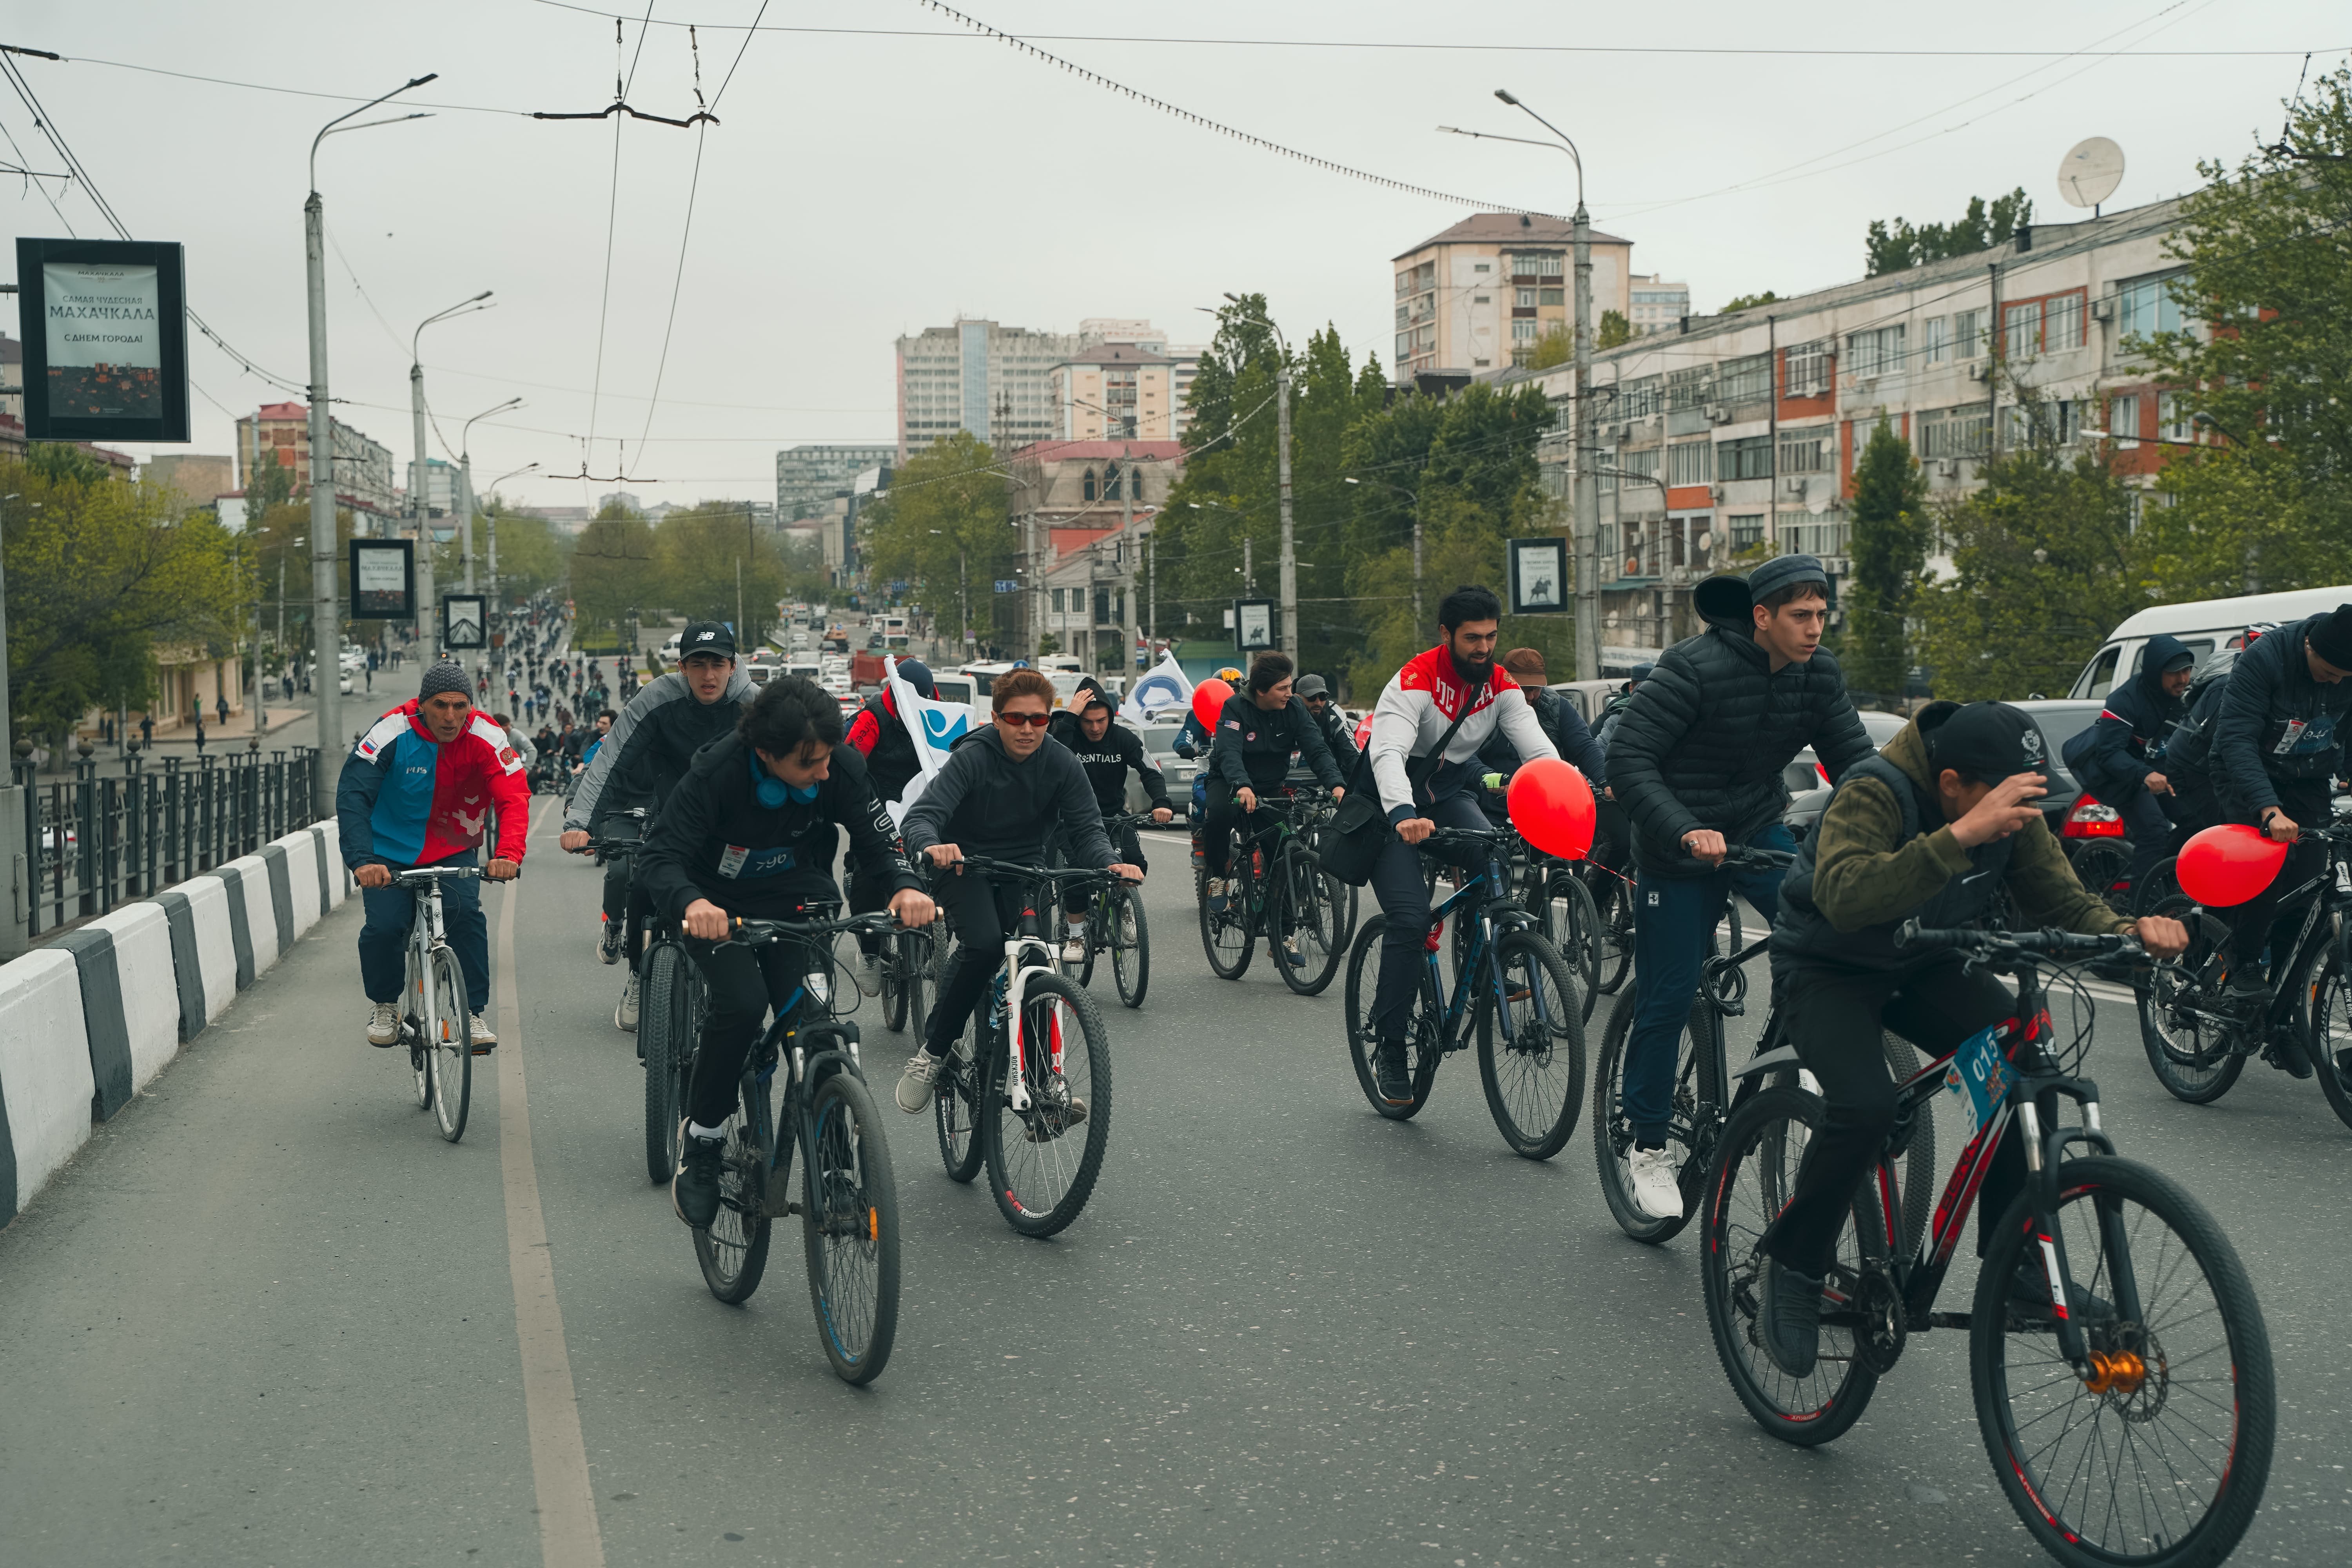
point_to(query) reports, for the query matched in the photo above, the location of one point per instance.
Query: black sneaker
(1792, 1320)
(2287, 1053)
(1389, 1073)
(694, 1191)
(2029, 1292)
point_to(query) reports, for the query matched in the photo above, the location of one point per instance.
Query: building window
(1690, 387)
(1057, 601)
(2172, 417)
(1535, 263)
(1527, 299)
(2146, 306)
(1876, 352)
(1804, 455)
(1642, 399)
(1953, 432)
(1806, 369)
(1482, 298)
(1090, 490)
(2061, 324)
(1747, 380)
(1523, 330)
(1692, 463)
(1480, 266)
(1749, 457)
(1551, 296)
(1934, 341)
(2123, 419)
(1968, 334)
(2021, 330)
(1748, 531)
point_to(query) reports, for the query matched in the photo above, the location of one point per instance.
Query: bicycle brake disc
(1879, 1340)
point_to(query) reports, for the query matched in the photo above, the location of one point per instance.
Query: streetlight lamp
(1586, 505)
(1290, 641)
(1414, 498)
(493, 518)
(419, 488)
(326, 596)
(465, 468)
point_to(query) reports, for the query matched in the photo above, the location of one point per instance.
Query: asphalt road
(268, 1317)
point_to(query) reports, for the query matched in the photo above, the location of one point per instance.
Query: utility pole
(1127, 556)
(1586, 515)
(1249, 571)
(421, 511)
(326, 597)
(1290, 641)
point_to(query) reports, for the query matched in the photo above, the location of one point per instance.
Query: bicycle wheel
(2162, 883)
(2158, 1452)
(1752, 1179)
(1225, 934)
(733, 1251)
(849, 1220)
(894, 986)
(1613, 906)
(662, 1031)
(1564, 910)
(1045, 1159)
(1698, 1050)
(2328, 1035)
(914, 951)
(1532, 1046)
(1363, 982)
(1131, 957)
(2191, 1051)
(1301, 918)
(1059, 931)
(955, 1104)
(2103, 866)
(451, 1046)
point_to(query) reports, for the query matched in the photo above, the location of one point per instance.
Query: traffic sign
(1007, 585)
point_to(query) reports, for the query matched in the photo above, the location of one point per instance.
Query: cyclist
(1005, 789)
(1563, 725)
(1107, 752)
(1929, 829)
(880, 736)
(1193, 738)
(417, 790)
(1337, 733)
(1257, 731)
(749, 831)
(1456, 693)
(1696, 763)
(2122, 754)
(641, 759)
(1614, 713)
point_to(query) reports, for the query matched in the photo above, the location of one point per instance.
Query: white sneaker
(480, 1033)
(1127, 921)
(384, 1023)
(915, 1083)
(624, 1016)
(1074, 946)
(866, 973)
(1657, 1191)
(1217, 890)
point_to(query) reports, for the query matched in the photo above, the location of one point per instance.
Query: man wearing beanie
(1696, 764)
(1931, 828)
(418, 790)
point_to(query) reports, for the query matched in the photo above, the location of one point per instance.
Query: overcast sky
(864, 184)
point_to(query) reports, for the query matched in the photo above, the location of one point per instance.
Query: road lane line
(568, 1536)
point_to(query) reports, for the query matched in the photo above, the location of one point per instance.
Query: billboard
(105, 339)
(462, 617)
(383, 581)
(1538, 576)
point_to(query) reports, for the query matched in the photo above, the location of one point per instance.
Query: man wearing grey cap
(1696, 764)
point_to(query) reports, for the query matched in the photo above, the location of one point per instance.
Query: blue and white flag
(1156, 690)
(934, 726)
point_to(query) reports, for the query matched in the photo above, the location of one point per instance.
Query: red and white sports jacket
(406, 800)
(1417, 704)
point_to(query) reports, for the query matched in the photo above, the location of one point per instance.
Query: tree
(1749, 301)
(532, 556)
(1557, 346)
(613, 568)
(943, 525)
(1614, 330)
(1890, 549)
(711, 559)
(1980, 228)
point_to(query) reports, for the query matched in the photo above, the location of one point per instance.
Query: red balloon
(2229, 864)
(1209, 700)
(1551, 805)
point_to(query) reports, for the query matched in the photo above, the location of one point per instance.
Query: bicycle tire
(1298, 905)
(451, 1046)
(1130, 962)
(1695, 1073)
(2327, 1031)
(2104, 868)
(894, 988)
(659, 1033)
(2163, 882)
(1614, 906)
(1757, 1153)
(412, 1020)
(733, 1250)
(920, 993)
(849, 1226)
(1230, 926)
(1363, 982)
(1038, 1189)
(1565, 913)
(1532, 1065)
(2192, 1068)
(2171, 1345)
(955, 1106)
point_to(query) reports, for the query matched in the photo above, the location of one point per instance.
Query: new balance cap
(706, 637)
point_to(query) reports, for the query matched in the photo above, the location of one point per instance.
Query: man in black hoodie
(1249, 759)
(2122, 756)
(1108, 752)
(1005, 790)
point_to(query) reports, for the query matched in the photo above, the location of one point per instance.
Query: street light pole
(465, 472)
(420, 497)
(325, 596)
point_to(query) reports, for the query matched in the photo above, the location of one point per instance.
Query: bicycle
(1280, 890)
(1702, 1093)
(1012, 1092)
(2129, 1415)
(1510, 982)
(437, 1024)
(848, 1201)
(1555, 894)
(2198, 1039)
(1113, 910)
(906, 972)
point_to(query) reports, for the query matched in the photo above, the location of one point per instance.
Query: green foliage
(532, 556)
(1890, 549)
(615, 570)
(1890, 249)
(943, 527)
(1557, 346)
(712, 558)
(1615, 330)
(1749, 301)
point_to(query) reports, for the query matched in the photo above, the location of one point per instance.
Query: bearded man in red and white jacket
(1421, 792)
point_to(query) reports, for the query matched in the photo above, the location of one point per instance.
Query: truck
(866, 670)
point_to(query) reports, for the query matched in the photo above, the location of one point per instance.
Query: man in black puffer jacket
(1696, 763)
(2121, 756)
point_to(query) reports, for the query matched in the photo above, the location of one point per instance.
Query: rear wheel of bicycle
(1130, 956)
(849, 1220)
(1422, 1054)
(734, 1251)
(1753, 1177)
(1613, 904)
(1044, 1158)
(1697, 1051)
(1564, 910)
(451, 1047)
(2191, 1051)
(2104, 867)
(894, 987)
(1225, 934)
(662, 1032)
(1532, 1046)
(2162, 883)
(2158, 1452)
(955, 1103)
(1083, 971)
(2329, 1035)
(1303, 917)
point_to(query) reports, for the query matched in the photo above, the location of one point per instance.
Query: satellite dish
(2090, 173)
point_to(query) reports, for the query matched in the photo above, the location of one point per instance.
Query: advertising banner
(105, 355)
(383, 581)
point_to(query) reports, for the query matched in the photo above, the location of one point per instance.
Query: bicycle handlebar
(1748, 855)
(2010, 944)
(749, 932)
(417, 876)
(989, 867)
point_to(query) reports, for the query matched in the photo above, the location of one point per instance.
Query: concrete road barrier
(252, 887)
(147, 986)
(44, 1078)
(334, 876)
(203, 951)
(302, 854)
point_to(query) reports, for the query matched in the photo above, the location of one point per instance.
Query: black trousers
(985, 913)
(2250, 923)
(1833, 1017)
(869, 893)
(741, 983)
(1224, 814)
(1399, 881)
(1129, 849)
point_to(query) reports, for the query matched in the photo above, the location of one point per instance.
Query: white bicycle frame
(425, 934)
(1016, 992)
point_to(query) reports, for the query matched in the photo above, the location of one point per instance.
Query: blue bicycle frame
(1498, 912)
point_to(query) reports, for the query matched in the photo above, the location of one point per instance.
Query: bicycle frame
(1026, 954)
(1498, 914)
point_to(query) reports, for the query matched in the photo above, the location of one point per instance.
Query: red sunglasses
(1034, 721)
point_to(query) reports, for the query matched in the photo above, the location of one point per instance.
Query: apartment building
(992, 380)
(1115, 392)
(1487, 290)
(808, 476)
(1656, 305)
(1743, 428)
(280, 433)
(1085, 508)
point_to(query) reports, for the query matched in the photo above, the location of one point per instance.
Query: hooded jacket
(405, 799)
(2127, 739)
(1567, 731)
(2276, 724)
(1107, 761)
(1418, 705)
(1703, 742)
(652, 745)
(985, 803)
(1253, 746)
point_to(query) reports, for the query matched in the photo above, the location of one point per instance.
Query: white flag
(933, 725)
(1156, 690)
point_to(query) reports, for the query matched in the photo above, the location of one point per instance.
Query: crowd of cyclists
(740, 798)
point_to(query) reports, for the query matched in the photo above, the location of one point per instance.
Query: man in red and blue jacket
(418, 790)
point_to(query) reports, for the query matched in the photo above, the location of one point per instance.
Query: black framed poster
(105, 339)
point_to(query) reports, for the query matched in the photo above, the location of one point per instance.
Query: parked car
(1159, 743)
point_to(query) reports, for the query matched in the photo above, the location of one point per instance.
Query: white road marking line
(568, 1536)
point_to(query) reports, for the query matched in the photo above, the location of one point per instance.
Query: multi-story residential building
(1084, 510)
(992, 380)
(280, 433)
(1490, 289)
(808, 476)
(1656, 305)
(1113, 391)
(1183, 359)
(1740, 430)
(199, 477)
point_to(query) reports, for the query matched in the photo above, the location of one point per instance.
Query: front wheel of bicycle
(894, 987)
(733, 1251)
(1613, 906)
(1045, 1157)
(1084, 971)
(1130, 950)
(2192, 1053)
(1530, 1044)
(955, 1103)
(2156, 1453)
(1698, 1048)
(1225, 934)
(2329, 1035)
(1565, 911)
(1363, 986)
(1302, 918)
(849, 1220)
(451, 1046)
(663, 1032)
